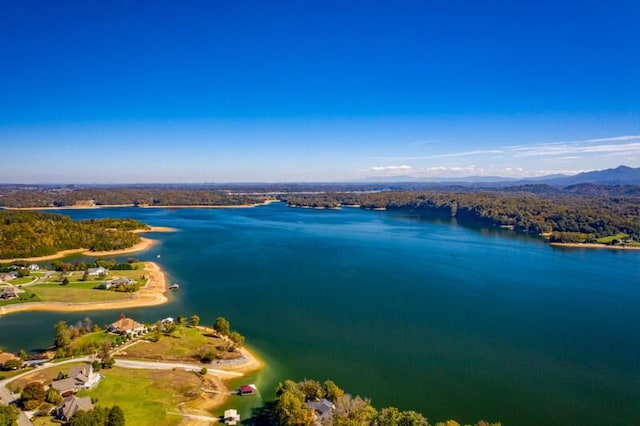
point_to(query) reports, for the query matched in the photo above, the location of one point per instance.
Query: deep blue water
(449, 319)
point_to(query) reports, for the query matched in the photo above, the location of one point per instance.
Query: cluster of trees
(527, 212)
(27, 234)
(290, 408)
(223, 328)
(9, 415)
(99, 416)
(34, 394)
(142, 196)
(80, 265)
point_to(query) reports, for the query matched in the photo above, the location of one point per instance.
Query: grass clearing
(74, 294)
(182, 345)
(145, 396)
(607, 240)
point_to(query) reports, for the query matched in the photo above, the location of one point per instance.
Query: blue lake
(448, 319)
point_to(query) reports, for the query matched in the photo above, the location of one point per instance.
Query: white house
(33, 267)
(97, 271)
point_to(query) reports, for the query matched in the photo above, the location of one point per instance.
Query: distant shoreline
(181, 206)
(594, 246)
(153, 293)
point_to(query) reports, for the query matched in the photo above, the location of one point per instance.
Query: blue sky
(207, 91)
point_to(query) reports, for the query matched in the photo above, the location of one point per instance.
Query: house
(126, 326)
(247, 390)
(231, 417)
(71, 405)
(7, 276)
(105, 285)
(92, 272)
(33, 267)
(9, 292)
(80, 377)
(323, 410)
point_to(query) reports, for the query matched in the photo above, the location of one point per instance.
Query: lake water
(451, 320)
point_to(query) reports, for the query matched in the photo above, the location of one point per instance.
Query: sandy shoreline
(595, 245)
(151, 294)
(144, 244)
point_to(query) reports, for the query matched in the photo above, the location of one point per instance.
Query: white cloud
(390, 168)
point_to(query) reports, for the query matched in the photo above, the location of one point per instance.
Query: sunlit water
(451, 320)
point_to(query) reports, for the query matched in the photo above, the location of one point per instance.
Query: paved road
(7, 397)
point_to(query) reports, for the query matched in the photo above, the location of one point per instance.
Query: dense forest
(310, 402)
(143, 196)
(29, 234)
(563, 217)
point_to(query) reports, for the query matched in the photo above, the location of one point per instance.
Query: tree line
(596, 216)
(291, 408)
(30, 234)
(139, 196)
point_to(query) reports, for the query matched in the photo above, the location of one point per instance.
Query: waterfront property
(9, 292)
(247, 390)
(126, 326)
(323, 410)
(80, 377)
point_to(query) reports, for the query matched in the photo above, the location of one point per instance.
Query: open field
(76, 294)
(145, 396)
(183, 345)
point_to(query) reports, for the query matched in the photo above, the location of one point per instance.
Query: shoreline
(153, 293)
(142, 245)
(181, 206)
(594, 246)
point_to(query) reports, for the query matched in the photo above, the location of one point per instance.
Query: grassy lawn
(75, 293)
(145, 396)
(183, 345)
(10, 374)
(607, 240)
(93, 339)
(23, 280)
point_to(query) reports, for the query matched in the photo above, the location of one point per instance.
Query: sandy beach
(74, 207)
(240, 206)
(595, 246)
(151, 294)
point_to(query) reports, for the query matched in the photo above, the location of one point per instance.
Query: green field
(145, 396)
(75, 293)
(183, 345)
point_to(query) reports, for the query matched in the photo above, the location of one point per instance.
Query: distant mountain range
(621, 175)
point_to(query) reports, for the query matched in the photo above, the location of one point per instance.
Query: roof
(248, 388)
(97, 270)
(64, 384)
(126, 324)
(81, 373)
(73, 404)
(324, 406)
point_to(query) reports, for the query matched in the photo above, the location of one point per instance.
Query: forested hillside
(61, 197)
(591, 217)
(28, 234)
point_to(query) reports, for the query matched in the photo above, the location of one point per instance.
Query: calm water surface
(450, 320)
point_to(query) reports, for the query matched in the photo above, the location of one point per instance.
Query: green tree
(194, 321)
(23, 355)
(311, 389)
(221, 325)
(236, 338)
(63, 334)
(181, 320)
(32, 395)
(116, 417)
(331, 391)
(12, 364)
(9, 415)
(52, 396)
(65, 281)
